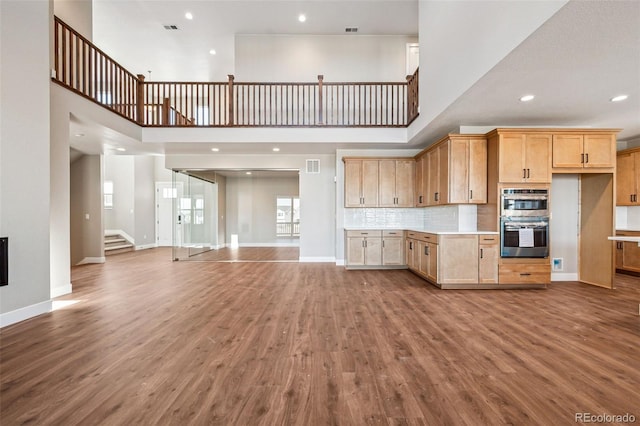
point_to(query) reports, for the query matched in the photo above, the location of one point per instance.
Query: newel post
(231, 100)
(320, 102)
(140, 100)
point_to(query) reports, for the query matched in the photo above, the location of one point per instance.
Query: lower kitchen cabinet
(524, 273)
(374, 249)
(489, 253)
(458, 259)
(627, 253)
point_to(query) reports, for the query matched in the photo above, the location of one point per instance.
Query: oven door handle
(512, 226)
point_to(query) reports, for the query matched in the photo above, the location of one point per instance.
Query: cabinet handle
(410, 245)
(582, 158)
(437, 194)
(481, 253)
(526, 274)
(471, 194)
(528, 173)
(420, 199)
(587, 157)
(382, 243)
(524, 173)
(631, 198)
(426, 250)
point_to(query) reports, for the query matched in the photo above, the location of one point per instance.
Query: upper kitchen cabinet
(396, 183)
(452, 171)
(628, 177)
(379, 182)
(584, 153)
(524, 157)
(361, 182)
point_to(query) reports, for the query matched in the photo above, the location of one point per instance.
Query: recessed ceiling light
(619, 98)
(526, 98)
(276, 149)
(212, 51)
(247, 173)
(302, 17)
(188, 15)
(79, 135)
(215, 149)
(120, 149)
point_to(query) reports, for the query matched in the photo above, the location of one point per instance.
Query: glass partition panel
(194, 216)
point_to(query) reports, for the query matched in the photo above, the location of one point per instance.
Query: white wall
(564, 225)
(317, 193)
(144, 201)
(76, 13)
(24, 157)
(338, 57)
(492, 29)
(251, 208)
(120, 170)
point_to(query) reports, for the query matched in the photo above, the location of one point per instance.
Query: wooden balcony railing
(88, 71)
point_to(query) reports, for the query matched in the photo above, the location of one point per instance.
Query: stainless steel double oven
(524, 222)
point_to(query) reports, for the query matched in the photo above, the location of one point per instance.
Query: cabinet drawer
(488, 239)
(365, 233)
(429, 238)
(523, 273)
(392, 233)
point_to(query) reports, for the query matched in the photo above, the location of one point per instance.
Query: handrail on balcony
(88, 71)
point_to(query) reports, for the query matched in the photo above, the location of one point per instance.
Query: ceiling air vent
(351, 30)
(313, 166)
(170, 27)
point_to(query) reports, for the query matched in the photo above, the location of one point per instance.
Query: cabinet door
(511, 152)
(373, 251)
(488, 263)
(626, 179)
(355, 251)
(408, 253)
(459, 171)
(370, 183)
(432, 255)
(478, 171)
(392, 251)
(419, 187)
(619, 254)
(433, 181)
(537, 158)
(567, 151)
(443, 173)
(458, 262)
(405, 176)
(423, 251)
(387, 183)
(599, 151)
(631, 256)
(352, 183)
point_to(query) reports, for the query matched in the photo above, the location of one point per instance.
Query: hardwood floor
(152, 341)
(250, 254)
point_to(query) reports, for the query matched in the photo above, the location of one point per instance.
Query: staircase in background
(116, 244)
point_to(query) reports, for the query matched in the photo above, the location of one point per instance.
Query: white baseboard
(61, 291)
(25, 313)
(91, 260)
(564, 276)
(121, 232)
(339, 262)
(317, 259)
(146, 246)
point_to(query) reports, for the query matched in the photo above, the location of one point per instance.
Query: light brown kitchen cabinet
(360, 183)
(412, 255)
(488, 255)
(364, 248)
(396, 183)
(437, 177)
(628, 177)
(467, 172)
(589, 151)
(392, 248)
(627, 253)
(458, 259)
(421, 184)
(524, 158)
(524, 273)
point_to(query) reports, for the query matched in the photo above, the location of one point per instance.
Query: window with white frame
(108, 194)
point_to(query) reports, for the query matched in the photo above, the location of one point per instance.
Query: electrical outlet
(557, 264)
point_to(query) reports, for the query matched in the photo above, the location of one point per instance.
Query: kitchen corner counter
(426, 231)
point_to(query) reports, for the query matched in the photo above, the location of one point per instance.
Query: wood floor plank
(151, 341)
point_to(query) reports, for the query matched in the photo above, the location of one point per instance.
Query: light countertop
(428, 231)
(626, 238)
(627, 230)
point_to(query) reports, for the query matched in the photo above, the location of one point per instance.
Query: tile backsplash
(437, 218)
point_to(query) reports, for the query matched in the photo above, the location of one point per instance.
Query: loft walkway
(88, 71)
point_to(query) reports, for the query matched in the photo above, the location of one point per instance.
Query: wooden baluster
(140, 101)
(166, 108)
(320, 100)
(230, 96)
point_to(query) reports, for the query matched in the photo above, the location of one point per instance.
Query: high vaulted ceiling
(574, 63)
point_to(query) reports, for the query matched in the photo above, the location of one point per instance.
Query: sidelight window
(288, 217)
